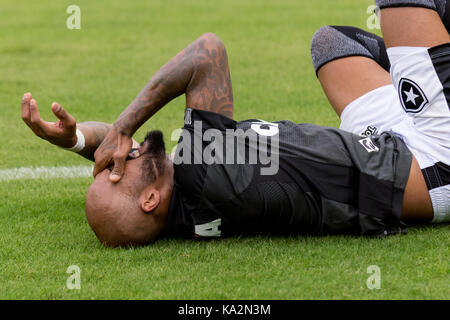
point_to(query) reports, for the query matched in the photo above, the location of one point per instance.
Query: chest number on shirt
(210, 229)
(265, 128)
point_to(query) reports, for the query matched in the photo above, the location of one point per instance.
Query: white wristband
(80, 142)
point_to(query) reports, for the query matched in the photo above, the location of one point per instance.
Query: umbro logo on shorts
(368, 144)
(371, 130)
(411, 96)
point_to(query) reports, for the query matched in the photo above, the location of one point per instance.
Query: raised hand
(61, 133)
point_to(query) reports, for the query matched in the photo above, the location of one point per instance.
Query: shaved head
(134, 210)
(117, 219)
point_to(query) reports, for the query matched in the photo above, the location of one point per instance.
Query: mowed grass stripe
(45, 173)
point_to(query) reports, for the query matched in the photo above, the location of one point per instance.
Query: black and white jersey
(249, 177)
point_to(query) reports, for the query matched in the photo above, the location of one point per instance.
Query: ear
(149, 199)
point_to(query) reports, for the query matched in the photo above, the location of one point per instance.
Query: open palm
(61, 133)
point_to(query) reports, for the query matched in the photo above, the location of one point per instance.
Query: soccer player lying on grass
(247, 177)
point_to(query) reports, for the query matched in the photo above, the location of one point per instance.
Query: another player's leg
(443, 8)
(349, 63)
(352, 66)
(412, 26)
(419, 51)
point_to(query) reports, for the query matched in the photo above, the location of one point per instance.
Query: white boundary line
(45, 173)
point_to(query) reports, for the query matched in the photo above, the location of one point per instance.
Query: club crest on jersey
(368, 144)
(411, 96)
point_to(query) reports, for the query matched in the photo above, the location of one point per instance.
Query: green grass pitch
(95, 72)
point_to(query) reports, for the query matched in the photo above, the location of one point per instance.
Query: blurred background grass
(96, 72)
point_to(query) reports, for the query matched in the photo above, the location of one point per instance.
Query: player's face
(138, 169)
(114, 210)
(119, 212)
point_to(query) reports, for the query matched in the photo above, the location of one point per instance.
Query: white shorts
(417, 108)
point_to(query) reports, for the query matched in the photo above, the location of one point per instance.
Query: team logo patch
(411, 95)
(368, 144)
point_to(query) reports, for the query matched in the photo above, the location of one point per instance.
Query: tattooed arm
(200, 71)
